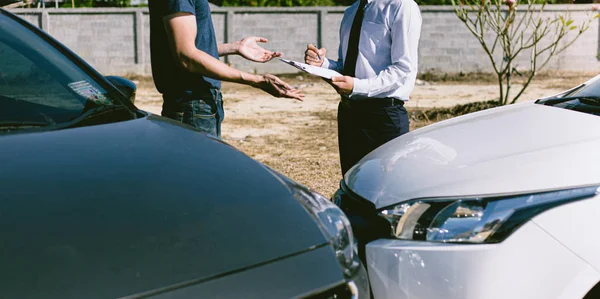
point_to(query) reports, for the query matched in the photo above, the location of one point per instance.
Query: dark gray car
(101, 200)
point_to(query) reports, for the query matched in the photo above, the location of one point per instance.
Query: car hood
(518, 148)
(117, 209)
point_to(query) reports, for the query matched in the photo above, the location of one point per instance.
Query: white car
(502, 203)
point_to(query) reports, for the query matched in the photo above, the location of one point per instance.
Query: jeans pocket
(205, 116)
(204, 110)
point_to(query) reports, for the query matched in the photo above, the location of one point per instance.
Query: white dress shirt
(387, 52)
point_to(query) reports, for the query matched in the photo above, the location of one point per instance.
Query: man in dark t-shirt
(186, 66)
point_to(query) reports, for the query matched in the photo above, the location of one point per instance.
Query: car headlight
(335, 226)
(473, 219)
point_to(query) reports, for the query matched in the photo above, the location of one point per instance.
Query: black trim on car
(340, 291)
(366, 223)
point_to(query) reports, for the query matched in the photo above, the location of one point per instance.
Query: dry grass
(560, 79)
(300, 140)
(310, 156)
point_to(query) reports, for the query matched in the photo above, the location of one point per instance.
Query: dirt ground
(299, 139)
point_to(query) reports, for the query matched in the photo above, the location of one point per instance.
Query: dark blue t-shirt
(169, 78)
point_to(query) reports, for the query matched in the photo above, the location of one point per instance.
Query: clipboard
(313, 70)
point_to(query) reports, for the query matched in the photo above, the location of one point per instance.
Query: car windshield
(584, 98)
(590, 90)
(39, 85)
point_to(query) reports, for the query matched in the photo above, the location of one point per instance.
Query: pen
(319, 56)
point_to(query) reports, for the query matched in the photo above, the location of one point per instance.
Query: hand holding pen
(314, 56)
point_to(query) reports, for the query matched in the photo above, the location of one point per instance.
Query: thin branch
(513, 36)
(531, 75)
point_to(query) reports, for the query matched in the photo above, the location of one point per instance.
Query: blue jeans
(202, 111)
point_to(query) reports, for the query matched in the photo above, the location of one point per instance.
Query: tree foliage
(276, 3)
(259, 3)
(92, 3)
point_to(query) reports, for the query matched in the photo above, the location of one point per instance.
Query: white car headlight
(473, 219)
(335, 226)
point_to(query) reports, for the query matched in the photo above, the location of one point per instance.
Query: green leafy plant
(95, 3)
(507, 30)
(277, 3)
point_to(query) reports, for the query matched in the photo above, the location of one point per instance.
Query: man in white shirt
(378, 58)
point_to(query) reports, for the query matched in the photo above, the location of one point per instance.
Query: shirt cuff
(361, 88)
(325, 64)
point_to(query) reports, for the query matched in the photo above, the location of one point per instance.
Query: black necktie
(352, 52)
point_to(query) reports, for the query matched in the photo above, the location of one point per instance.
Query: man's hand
(277, 88)
(314, 56)
(249, 49)
(343, 85)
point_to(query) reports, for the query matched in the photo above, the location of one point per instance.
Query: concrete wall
(116, 41)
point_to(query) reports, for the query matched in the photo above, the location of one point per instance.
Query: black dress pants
(364, 125)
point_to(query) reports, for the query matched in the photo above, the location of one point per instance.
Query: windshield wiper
(100, 115)
(10, 125)
(588, 100)
(593, 101)
(99, 110)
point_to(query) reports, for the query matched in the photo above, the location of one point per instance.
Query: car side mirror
(127, 87)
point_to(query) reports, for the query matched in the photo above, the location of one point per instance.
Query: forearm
(229, 48)
(199, 62)
(181, 32)
(389, 81)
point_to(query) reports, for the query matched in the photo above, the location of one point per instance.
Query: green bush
(279, 3)
(262, 3)
(448, 2)
(95, 3)
(276, 3)
(433, 2)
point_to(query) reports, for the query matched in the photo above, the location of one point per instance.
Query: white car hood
(517, 148)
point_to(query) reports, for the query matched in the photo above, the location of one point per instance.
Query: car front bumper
(529, 264)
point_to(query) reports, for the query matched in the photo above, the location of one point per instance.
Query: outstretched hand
(278, 88)
(250, 50)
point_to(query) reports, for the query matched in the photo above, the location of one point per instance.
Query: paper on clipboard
(314, 70)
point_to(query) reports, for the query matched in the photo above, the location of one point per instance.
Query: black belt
(372, 102)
